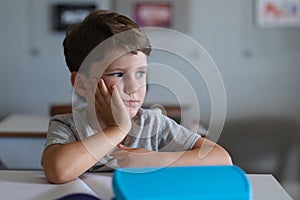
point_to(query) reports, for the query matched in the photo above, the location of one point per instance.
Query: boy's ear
(79, 83)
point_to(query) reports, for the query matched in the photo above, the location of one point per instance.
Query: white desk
(22, 139)
(32, 185)
(21, 125)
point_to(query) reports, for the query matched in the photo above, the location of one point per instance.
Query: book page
(33, 185)
(100, 183)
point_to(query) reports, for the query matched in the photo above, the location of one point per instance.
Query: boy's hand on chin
(111, 109)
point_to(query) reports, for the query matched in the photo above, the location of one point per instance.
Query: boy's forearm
(204, 152)
(193, 157)
(216, 156)
(100, 144)
(63, 163)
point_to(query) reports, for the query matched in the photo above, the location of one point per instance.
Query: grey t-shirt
(150, 130)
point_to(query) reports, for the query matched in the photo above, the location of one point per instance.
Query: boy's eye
(140, 74)
(117, 74)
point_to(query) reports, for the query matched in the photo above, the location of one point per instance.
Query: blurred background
(255, 46)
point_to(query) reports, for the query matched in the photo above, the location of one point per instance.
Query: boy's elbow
(54, 172)
(226, 158)
(56, 175)
(56, 179)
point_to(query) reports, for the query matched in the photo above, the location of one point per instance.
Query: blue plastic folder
(195, 182)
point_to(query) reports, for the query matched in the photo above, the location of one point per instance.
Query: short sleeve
(59, 132)
(174, 137)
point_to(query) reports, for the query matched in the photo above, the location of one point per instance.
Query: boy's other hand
(110, 108)
(134, 157)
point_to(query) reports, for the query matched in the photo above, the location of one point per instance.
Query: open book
(91, 186)
(33, 185)
(100, 184)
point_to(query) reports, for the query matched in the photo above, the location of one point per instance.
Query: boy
(113, 130)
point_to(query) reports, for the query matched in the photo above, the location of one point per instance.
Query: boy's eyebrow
(122, 68)
(114, 69)
(142, 67)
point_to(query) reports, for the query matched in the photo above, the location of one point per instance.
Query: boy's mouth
(132, 102)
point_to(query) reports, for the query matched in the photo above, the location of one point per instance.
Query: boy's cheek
(143, 89)
(109, 84)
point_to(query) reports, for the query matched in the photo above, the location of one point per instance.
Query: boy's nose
(130, 84)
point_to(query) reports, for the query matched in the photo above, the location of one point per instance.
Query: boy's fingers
(102, 93)
(119, 155)
(103, 88)
(123, 147)
(116, 97)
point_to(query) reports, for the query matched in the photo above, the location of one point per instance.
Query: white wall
(33, 71)
(260, 67)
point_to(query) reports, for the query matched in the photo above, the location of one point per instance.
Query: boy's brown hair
(98, 26)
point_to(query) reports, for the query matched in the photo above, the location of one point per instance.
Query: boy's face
(128, 73)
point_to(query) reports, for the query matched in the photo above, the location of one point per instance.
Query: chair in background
(56, 109)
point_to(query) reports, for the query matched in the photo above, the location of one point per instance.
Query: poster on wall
(65, 14)
(153, 14)
(278, 13)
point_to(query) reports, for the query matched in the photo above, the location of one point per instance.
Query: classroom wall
(260, 67)
(34, 74)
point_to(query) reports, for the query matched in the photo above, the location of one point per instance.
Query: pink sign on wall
(278, 13)
(154, 14)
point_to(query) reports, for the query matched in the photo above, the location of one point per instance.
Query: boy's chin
(132, 112)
